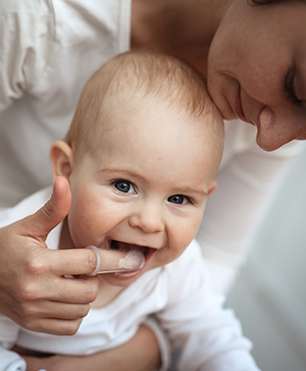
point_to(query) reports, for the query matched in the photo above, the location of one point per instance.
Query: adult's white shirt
(48, 50)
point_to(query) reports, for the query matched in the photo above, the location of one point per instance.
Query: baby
(140, 157)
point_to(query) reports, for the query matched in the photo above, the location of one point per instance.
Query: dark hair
(265, 2)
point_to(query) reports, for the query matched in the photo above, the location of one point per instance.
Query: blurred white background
(269, 296)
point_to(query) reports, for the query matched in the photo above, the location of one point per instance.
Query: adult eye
(290, 89)
(178, 199)
(124, 186)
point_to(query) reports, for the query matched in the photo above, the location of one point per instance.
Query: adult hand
(33, 290)
(138, 354)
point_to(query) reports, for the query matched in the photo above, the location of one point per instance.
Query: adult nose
(275, 130)
(147, 216)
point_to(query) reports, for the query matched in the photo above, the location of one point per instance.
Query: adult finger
(55, 326)
(71, 261)
(117, 261)
(40, 224)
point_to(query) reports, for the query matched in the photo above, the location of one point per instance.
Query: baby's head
(141, 156)
(139, 78)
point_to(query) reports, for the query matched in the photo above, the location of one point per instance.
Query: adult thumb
(53, 212)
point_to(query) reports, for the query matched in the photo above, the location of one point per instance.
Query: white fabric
(247, 178)
(49, 48)
(179, 295)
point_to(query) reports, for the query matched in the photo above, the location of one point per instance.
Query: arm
(138, 354)
(246, 181)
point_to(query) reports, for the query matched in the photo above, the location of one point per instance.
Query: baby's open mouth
(122, 246)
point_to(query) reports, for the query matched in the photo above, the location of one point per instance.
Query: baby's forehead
(124, 111)
(125, 119)
(146, 128)
(142, 87)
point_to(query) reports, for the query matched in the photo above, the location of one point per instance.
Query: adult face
(257, 69)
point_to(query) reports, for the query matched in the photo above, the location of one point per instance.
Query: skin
(139, 154)
(246, 52)
(154, 154)
(252, 82)
(113, 359)
(67, 315)
(208, 37)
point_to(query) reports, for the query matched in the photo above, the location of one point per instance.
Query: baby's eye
(178, 199)
(124, 186)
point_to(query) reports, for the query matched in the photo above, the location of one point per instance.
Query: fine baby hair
(145, 76)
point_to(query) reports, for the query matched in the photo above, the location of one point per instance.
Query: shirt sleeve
(209, 337)
(26, 42)
(246, 182)
(10, 361)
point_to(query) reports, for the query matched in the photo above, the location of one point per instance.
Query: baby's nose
(149, 219)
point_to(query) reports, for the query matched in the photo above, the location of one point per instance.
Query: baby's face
(144, 187)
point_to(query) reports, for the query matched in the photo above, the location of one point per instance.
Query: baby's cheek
(80, 226)
(184, 236)
(174, 249)
(79, 234)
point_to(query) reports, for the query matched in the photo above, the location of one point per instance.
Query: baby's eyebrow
(120, 170)
(195, 190)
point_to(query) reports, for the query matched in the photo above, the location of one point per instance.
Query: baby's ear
(212, 187)
(61, 159)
